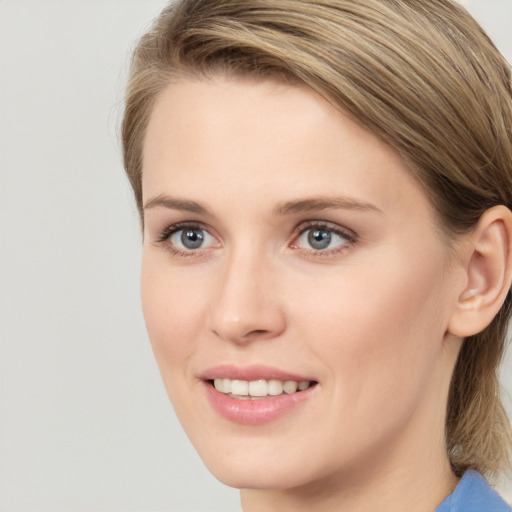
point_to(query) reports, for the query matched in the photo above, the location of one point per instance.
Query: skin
(368, 318)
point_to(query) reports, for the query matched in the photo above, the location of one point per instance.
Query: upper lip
(251, 372)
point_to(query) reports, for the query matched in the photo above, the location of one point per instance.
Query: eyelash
(350, 237)
(167, 233)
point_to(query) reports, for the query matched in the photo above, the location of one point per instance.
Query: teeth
(239, 387)
(303, 385)
(275, 387)
(226, 383)
(259, 388)
(290, 386)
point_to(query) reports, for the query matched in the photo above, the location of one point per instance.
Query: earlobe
(488, 272)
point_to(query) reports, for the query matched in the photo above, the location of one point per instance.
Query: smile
(261, 388)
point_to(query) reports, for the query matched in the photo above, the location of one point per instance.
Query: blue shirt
(473, 494)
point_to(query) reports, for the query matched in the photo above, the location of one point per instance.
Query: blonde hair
(423, 76)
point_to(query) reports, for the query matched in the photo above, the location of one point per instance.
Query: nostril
(256, 333)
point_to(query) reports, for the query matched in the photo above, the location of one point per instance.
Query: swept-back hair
(420, 74)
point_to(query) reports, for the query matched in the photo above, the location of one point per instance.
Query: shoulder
(473, 494)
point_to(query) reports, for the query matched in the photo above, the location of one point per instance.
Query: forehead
(264, 137)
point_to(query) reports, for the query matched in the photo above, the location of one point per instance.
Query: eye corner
(186, 239)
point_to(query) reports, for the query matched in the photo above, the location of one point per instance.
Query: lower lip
(255, 412)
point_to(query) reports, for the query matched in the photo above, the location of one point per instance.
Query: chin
(263, 463)
(260, 477)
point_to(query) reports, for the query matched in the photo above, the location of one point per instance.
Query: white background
(84, 420)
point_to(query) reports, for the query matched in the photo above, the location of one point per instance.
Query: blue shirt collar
(473, 494)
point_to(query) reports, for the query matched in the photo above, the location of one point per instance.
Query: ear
(488, 267)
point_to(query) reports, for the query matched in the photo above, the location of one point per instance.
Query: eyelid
(169, 230)
(328, 226)
(163, 238)
(349, 235)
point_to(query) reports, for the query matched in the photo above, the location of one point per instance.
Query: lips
(255, 394)
(249, 373)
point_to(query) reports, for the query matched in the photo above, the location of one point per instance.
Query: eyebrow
(176, 204)
(282, 209)
(323, 203)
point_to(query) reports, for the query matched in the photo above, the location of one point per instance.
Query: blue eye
(322, 238)
(319, 238)
(190, 238)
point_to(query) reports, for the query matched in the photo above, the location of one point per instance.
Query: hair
(420, 74)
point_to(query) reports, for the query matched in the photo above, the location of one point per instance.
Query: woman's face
(285, 247)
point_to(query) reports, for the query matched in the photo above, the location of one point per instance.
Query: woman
(325, 192)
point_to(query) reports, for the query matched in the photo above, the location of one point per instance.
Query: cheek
(380, 327)
(172, 311)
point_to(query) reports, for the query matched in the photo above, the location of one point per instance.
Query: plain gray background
(85, 424)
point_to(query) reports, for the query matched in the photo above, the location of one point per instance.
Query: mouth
(256, 394)
(260, 388)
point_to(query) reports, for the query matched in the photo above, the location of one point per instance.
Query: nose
(247, 305)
